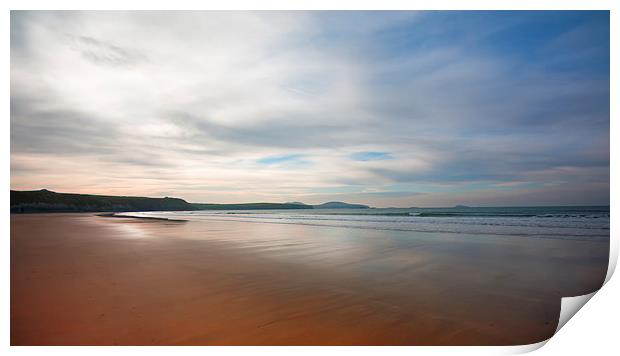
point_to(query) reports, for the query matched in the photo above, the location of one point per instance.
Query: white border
(594, 328)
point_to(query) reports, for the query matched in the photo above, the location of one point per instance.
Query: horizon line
(329, 201)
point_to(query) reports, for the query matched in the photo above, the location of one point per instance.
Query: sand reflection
(80, 279)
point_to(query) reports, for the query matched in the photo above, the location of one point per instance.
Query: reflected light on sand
(129, 230)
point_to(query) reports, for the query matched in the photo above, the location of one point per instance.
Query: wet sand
(81, 279)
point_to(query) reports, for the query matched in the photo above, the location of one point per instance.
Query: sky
(389, 109)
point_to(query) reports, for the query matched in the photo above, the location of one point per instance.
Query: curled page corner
(570, 306)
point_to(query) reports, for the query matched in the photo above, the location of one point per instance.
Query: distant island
(331, 205)
(340, 205)
(44, 200)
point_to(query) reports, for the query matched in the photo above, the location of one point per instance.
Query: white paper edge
(570, 307)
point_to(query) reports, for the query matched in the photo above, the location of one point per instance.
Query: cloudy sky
(382, 108)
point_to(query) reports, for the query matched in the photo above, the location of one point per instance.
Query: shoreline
(115, 215)
(233, 217)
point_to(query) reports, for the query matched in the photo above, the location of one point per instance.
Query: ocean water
(589, 223)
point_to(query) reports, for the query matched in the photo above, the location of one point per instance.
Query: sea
(589, 223)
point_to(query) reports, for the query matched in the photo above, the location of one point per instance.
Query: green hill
(40, 201)
(340, 205)
(47, 201)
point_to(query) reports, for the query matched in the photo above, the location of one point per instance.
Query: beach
(83, 279)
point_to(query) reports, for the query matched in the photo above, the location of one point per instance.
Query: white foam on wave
(573, 227)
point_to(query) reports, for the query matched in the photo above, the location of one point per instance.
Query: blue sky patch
(371, 156)
(288, 159)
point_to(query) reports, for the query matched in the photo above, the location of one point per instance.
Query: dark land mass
(331, 205)
(340, 205)
(41, 201)
(251, 206)
(47, 201)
